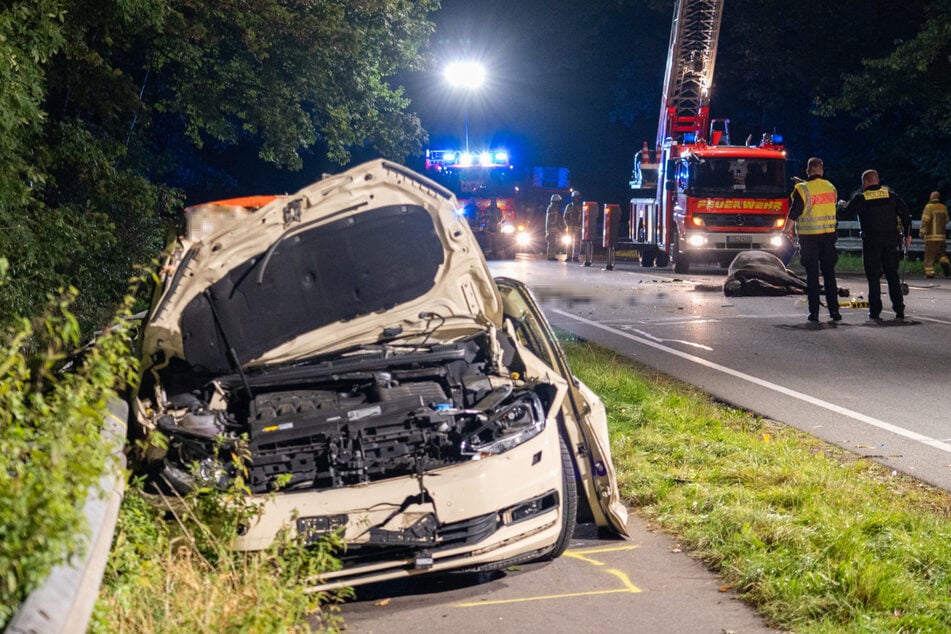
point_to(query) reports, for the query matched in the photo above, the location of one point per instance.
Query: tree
(900, 100)
(108, 110)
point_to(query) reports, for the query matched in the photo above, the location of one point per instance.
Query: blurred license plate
(739, 241)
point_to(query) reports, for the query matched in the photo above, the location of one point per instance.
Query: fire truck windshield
(733, 175)
(476, 181)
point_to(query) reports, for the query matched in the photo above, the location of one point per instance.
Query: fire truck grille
(732, 221)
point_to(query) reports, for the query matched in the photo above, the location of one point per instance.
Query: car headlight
(696, 240)
(509, 426)
(566, 239)
(777, 241)
(507, 228)
(523, 239)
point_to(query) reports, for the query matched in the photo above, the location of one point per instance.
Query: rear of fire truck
(485, 184)
(702, 199)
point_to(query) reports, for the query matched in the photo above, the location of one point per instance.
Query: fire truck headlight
(566, 239)
(523, 239)
(776, 241)
(508, 229)
(696, 240)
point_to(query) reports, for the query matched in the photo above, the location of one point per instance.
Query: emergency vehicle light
(690, 137)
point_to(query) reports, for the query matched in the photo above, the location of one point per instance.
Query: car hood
(376, 253)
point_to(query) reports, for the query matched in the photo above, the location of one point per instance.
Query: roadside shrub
(51, 452)
(171, 570)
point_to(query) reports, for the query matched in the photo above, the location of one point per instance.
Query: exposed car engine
(377, 412)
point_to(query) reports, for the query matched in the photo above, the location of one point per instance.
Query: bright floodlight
(469, 75)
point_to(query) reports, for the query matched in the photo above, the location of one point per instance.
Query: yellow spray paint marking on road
(580, 555)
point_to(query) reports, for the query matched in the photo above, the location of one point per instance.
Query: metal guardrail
(63, 604)
(850, 238)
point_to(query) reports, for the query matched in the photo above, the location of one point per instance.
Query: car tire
(569, 503)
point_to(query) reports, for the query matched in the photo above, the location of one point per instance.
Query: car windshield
(724, 176)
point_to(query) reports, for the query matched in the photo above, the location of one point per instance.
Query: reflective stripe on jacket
(818, 216)
(933, 221)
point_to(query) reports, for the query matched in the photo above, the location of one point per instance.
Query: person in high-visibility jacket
(934, 220)
(574, 214)
(812, 206)
(554, 227)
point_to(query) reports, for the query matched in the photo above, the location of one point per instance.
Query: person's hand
(907, 241)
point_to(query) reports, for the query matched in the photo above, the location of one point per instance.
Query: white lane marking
(832, 407)
(659, 340)
(932, 320)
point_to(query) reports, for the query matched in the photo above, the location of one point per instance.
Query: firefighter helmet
(575, 194)
(556, 198)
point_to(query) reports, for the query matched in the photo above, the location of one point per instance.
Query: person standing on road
(881, 212)
(554, 227)
(934, 220)
(812, 207)
(574, 214)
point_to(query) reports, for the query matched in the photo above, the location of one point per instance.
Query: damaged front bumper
(481, 511)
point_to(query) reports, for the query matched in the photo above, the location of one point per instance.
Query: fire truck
(698, 198)
(485, 184)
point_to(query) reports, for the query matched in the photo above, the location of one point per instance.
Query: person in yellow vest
(812, 207)
(934, 220)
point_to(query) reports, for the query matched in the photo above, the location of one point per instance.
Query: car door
(585, 419)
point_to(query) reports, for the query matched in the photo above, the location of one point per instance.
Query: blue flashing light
(501, 157)
(485, 159)
(777, 139)
(449, 157)
(690, 137)
(465, 159)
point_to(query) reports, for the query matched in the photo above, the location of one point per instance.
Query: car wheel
(569, 503)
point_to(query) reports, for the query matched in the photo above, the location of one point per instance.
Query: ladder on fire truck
(692, 55)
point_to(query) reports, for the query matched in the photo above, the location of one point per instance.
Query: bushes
(51, 451)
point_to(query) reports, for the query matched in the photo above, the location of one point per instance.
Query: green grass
(816, 539)
(848, 263)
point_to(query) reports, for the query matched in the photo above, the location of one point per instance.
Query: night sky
(569, 84)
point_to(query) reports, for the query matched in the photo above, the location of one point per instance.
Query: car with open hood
(351, 345)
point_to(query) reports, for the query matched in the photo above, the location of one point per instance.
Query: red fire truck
(485, 184)
(702, 199)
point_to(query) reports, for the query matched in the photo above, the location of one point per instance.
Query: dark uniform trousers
(882, 256)
(817, 252)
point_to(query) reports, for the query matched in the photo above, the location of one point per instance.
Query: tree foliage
(112, 110)
(51, 451)
(900, 98)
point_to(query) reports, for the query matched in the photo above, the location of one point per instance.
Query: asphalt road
(642, 585)
(878, 388)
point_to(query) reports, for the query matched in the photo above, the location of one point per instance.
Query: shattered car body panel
(349, 342)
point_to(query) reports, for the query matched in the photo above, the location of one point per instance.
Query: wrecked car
(350, 345)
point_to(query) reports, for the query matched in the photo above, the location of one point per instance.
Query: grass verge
(172, 571)
(816, 539)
